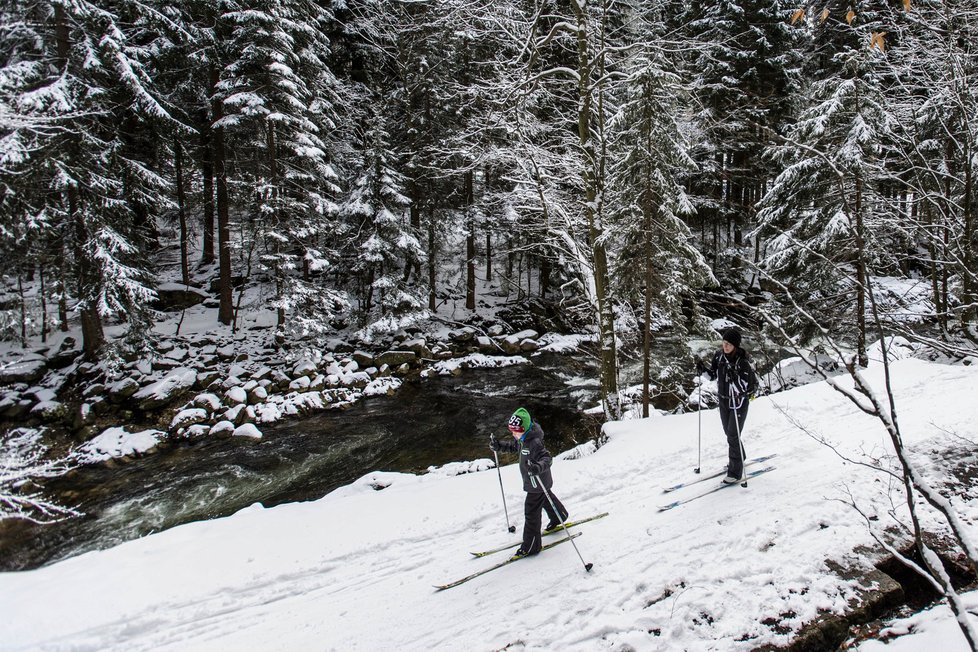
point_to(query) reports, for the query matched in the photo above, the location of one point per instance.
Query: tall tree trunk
(468, 199)
(225, 311)
(23, 309)
(368, 294)
(279, 269)
(432, 299)
(608, 356)
(861, 278)
(969, 241)
(93, 337)
(207, 172)
(488, 254)
(44, 305)
(63, 292)
(182, 212)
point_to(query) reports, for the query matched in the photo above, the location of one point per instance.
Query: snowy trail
(354, 571)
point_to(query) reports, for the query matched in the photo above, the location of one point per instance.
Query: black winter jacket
(734, 374)
(530, 447)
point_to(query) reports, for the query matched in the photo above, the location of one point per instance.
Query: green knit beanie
(524, 418)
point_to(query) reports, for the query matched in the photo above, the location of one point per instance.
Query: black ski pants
(733, 426)
(535, 501)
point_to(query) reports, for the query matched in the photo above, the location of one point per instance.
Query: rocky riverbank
(204, 385)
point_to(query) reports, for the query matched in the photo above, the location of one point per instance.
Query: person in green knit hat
(535, 462)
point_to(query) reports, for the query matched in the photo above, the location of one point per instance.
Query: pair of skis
(484, 553)
(750, 474)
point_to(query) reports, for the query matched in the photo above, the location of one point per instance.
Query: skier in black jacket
(535, 461)
(736, 384)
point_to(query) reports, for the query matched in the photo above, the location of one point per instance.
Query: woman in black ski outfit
(535, 463)
(736, 384)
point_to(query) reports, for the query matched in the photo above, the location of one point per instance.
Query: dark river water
(429, 422)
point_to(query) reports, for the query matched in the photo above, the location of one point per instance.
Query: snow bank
(734, 570)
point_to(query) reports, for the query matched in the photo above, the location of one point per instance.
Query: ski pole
(699, 427)
(740, 443)
(509, 528)
(587, 566)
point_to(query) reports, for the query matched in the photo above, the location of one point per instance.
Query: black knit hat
(731, 335)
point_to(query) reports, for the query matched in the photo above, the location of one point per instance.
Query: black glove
(493, 444)
(700, 367)
(533, 467)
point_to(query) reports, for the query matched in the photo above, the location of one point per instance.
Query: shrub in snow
(23, 462)
(460, 468)
(579, 451)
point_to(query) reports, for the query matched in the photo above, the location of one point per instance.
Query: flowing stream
(429, 422)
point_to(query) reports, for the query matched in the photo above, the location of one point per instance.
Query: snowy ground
(354, 570)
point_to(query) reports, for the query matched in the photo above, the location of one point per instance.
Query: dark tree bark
(207, 173)
(225, 313)
(182, 212)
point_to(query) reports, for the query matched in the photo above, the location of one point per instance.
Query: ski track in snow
(354, 571)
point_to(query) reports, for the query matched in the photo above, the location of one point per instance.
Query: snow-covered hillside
(355, 570)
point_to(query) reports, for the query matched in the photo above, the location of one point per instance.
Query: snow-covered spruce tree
(78, 71)
(825, 206)
(280, 98)
(655, 261)
(936, 66)
(381, 241)
(402, 66)
(743, 63)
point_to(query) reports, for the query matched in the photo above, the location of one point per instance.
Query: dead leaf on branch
(850, 16)
(797, 15)
(876, 41)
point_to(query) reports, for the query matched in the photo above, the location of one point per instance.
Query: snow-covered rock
(116, 443)
(208, 401)
(185, 418)
(123, 388)
(304, 368)
(396, 358)
(163, 392)
(384, 386)
(28, 370)
(222, 429)
(247, 430)
(50, 410)
(236, 396)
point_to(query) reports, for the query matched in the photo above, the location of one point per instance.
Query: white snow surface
(355, 570)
